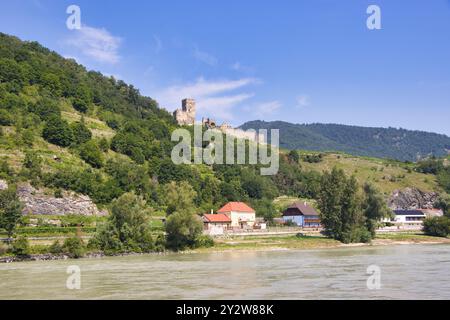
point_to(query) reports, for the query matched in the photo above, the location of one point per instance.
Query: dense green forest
(399, 144)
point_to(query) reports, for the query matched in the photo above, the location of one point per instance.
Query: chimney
(212, 211)
(304, 203)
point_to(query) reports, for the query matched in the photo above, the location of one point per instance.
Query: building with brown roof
(302, 215)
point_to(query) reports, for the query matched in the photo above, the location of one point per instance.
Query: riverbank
(261, 243)
(316, 242)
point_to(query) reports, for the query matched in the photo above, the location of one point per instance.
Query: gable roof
(236, 206)
(220, 217)
(300, 208)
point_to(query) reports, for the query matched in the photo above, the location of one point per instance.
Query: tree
(10, 210)
(329, 202)
(179, 196)
(375, 207)
(443, 203)
(265, 208)
(46, 109)
(81, 133)
(58, 131)
(183, 228)
(80, 105)
(127, 228)
(340, 208)
(437, 226)
(32, 162)
(91, 153)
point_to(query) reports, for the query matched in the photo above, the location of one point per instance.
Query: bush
(58, 193)
(58, 131)
(4, 248)
(80, 105)
(20, 247)
(81, 132)
(91, 153)
(5, 118)
(437, 226)
(74, 246)
(204, 241)
(56, 248)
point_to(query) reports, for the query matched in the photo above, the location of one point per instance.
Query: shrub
(56, 248)
(58, 131)
(81, 132)
(5, 118)
(58, 193)
(204, 241)
(80, 105)
(4, 248)
(91, 153)
(437, 226)
(74, 246)
(20, 247)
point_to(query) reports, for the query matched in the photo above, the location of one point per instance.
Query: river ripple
(407, 272)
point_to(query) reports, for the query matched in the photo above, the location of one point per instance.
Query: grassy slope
(385, 174)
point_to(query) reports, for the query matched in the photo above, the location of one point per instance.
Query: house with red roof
(241, 215)
(216, 224)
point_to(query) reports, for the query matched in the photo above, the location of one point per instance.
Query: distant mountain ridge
(400, 144)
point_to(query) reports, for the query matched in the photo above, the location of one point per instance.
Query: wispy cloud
(303, 101)
(237, 66)
(96, 43)
(215, 98)
(204, 57)
(266, 108)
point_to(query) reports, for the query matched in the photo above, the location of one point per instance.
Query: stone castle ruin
(186, 116)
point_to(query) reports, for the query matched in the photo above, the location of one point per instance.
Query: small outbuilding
(216, 224)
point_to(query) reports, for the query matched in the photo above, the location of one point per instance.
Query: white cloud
(303, 101)
(204, 57)
(214, 98)
(96, 43)
(266, 108)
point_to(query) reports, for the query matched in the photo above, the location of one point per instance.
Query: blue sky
(297, 61)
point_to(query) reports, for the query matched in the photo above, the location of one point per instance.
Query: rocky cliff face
(412, 198)
(37, 202)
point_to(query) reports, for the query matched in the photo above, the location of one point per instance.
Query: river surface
(406, 272)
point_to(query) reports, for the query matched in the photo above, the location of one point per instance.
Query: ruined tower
(185, 115)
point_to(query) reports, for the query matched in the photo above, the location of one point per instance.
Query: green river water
(406, 272)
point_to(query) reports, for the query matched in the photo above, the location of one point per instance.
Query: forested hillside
(110, 140)
(400, 144)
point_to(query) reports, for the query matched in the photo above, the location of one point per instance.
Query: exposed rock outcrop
(412, 198)
(3, 185)
(37, 202)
